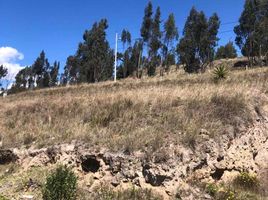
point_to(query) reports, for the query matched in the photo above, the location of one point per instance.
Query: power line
(227, 23)
(227, 31)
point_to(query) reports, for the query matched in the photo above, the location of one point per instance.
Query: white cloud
(9, 58)
(9, 54)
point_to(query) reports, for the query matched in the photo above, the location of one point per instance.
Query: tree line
(159, 45)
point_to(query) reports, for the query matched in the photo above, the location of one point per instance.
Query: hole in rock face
(220, 158)
(218, 174)
(7, 156)
(90, 164)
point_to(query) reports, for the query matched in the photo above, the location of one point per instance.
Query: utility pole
(115, 56)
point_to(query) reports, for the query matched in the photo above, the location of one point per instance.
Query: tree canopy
(196, 48)
(226, 51)
(252, 30)
(3, 72)
(40, 75)
(93, 61)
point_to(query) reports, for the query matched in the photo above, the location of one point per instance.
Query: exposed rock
(113, 161)
(229, 176)
(155, 175)
(7, 156)
(27, 197)
(212, 160)
(115, 182)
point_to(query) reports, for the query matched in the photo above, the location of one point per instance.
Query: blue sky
(56, 26)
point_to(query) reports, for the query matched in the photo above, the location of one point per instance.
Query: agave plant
(220, 72)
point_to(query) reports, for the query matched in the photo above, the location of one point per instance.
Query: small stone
(25, 197)
(124, 180)
(136, 181)
(115, 182)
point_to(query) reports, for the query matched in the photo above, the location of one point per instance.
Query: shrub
(60, 185)
(3, 198)
(246, 181)
(212, 189)
(226, 194)
(220, 72)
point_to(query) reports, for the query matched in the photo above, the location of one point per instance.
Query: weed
(60, 185)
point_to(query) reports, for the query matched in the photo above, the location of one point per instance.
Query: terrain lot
(158, 117)
(133, 113)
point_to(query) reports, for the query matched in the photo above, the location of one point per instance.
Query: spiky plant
(220, 72)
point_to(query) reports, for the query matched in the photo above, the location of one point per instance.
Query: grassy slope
(134, 114)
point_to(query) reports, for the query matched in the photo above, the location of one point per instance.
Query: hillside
(175, 135)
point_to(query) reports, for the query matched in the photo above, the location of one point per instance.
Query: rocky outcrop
(181, 174)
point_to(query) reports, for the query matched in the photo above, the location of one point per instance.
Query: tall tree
(71, 70)
(24, 78)
(251, 33)
(155, 43)
(197, 46)
(54, 72)
(227, 51)
(126, 38)
(146, 29)
(39, 75)
(213, 27)
(40, 70)
(94, 56)
(3, 72)
(136, 58)
(170, 35)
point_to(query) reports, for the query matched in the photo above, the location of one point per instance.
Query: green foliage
(151, 35)
(155, 43)
(252, 30)
(230, 193)
(226, 194)
(60, 185)
(126, 37)
(196, 48)
(53, 74)
(41, 71)
(220, 72)
(3, 198)
(212, 189)
(71, 71)
(3, 71)
(93, 61)
(170, 35)
(246, 181)
(146, 29)
(227, 51)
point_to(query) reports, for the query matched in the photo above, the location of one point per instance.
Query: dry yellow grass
(134, 114)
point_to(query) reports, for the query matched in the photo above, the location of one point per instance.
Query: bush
(220, 72)
(212, 189)
(3, 198)
(246, 181)
(226, 194)
(60, 185)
